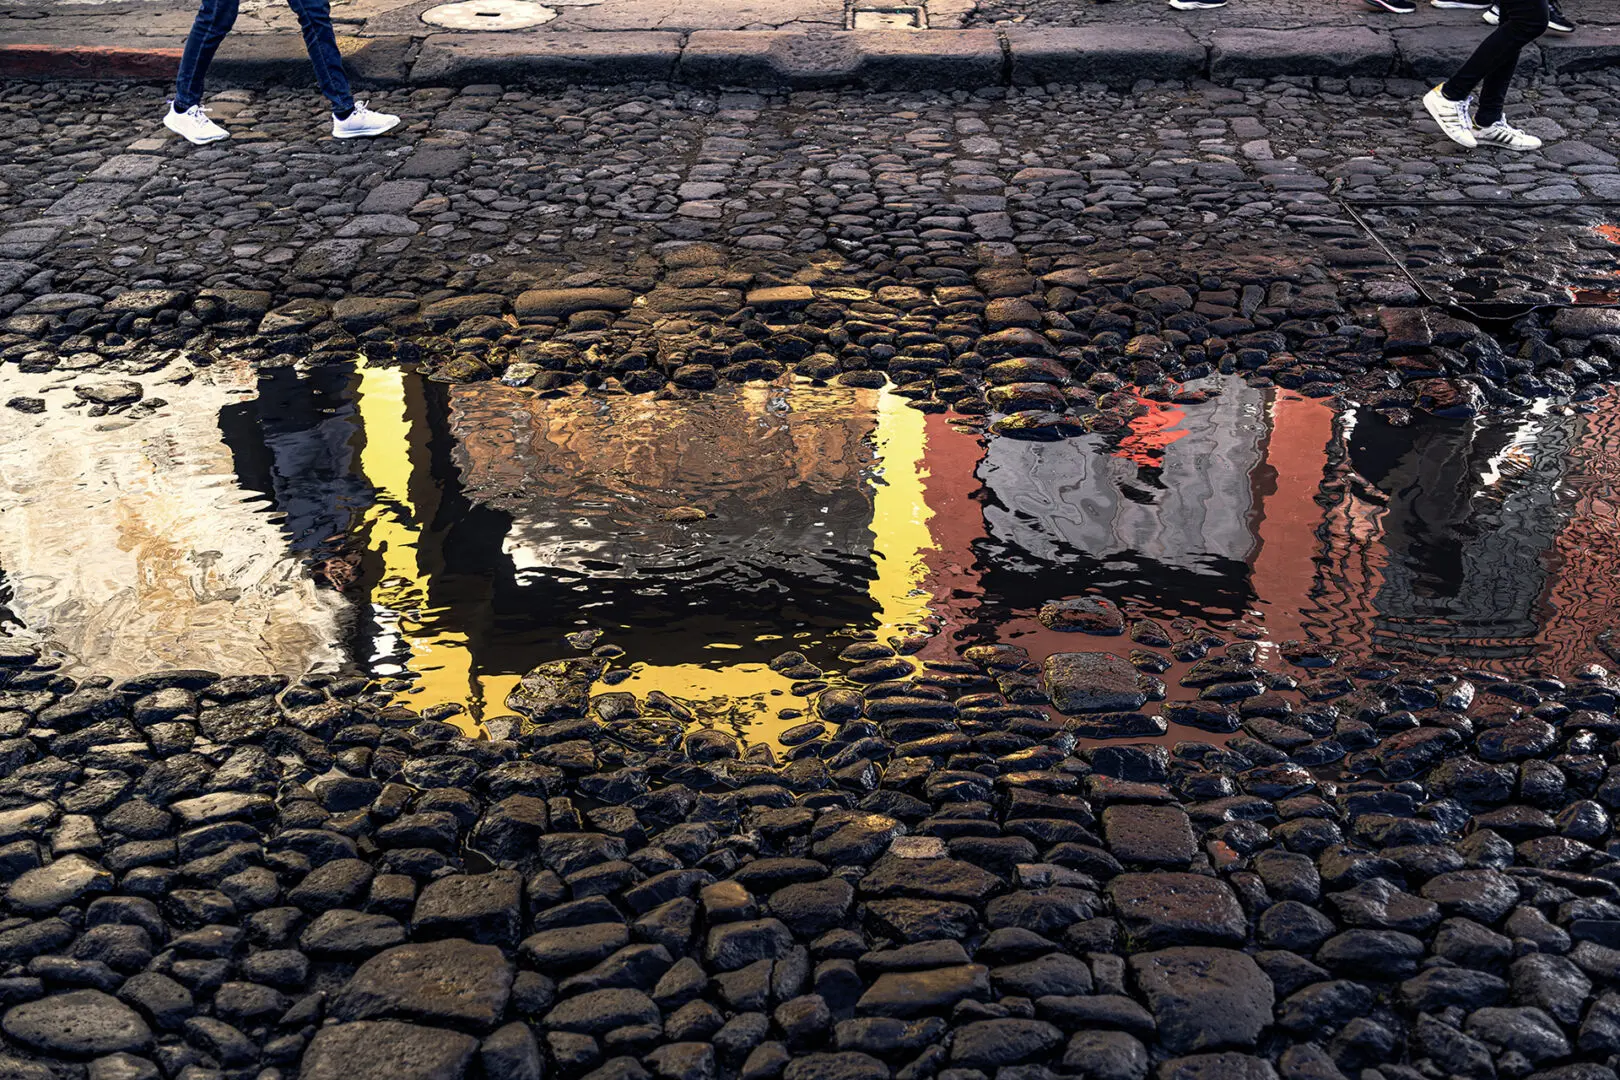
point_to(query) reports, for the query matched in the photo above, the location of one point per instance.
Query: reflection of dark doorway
(299, 444)
(8, 618)
(295, 443)
(1464, 570)
(1169, 537)
(754, 577)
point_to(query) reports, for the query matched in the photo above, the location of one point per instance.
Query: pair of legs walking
(1488, 72)
(350, 119)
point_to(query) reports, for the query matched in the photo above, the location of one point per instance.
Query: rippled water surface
(452, 535)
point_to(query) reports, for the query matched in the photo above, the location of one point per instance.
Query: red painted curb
(87, 62)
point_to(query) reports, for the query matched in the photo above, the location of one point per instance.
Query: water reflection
(1464, 516)
(463, 531)
(129, 545)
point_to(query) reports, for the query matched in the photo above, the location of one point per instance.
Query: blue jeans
(215, 19)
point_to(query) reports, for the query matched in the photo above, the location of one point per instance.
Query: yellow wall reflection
(394, 460)
(607, 453)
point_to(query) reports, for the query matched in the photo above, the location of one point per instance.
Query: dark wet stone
(1149, 835)
(887, 1037)
(567, 853)
(601, 1011)
(1086, 614)
(1293, 925)
(387, 1050)
(341, 883)
(482, 907)
(683, 1061)
(511, 1053)
(908, 919)
(1381, 953)
(1225, 1066)
(1443, 987)
(1485, 896)
(350, 933)
(1320, 1008)
(1106, 1055)
(556, 690)
(736, 945)
(908, 994)
(1450, 1049)
(453, 983)
(1204, 998)
(164, 1002)
(1047, 911)
(1105, 1011)
(1163, 909)
(1092, 682)
(852, 838)
(991, 1044)
(568, 949)
(1056, 974)
(932, 879)
(82, 1023)
(223, 1042)
(68, 880)
(1528, 1031)
(1379, 905)
(812, 908)
(837, 1066)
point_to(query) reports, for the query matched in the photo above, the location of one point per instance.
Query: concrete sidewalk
(791, 44)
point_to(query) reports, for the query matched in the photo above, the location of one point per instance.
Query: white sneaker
(362, 123)
(194, 126)
(1452, 116)
(1506, 135)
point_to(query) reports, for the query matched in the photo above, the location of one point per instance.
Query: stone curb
(1116, 56)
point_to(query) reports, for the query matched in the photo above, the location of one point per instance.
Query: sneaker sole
(366, 134)
(1180, 6)
(1458, 5)
(1393, 9)
(1435, 116)
(1507, 146)
(195, 140)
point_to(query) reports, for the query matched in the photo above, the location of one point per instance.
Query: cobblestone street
(494, 191)
(1024, 583)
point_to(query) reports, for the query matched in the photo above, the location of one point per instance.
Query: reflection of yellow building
(604, 450)
(394, 463)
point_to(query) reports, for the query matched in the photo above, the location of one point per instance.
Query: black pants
(1493, 63)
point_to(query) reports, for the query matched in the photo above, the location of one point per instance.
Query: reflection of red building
(951, 489)
(1442, 538)
(1288, 520)
(1585, 556)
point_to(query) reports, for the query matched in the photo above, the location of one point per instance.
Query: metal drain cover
(489, 15)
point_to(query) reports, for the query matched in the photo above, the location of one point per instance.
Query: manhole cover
(489, 15)
(896, 18)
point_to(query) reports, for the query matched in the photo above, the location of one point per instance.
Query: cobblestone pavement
(1350, 871)
(1276, 14)
(653, 191)
(134, 19)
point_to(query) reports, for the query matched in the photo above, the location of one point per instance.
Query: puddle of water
(136, 544)
(469, 528)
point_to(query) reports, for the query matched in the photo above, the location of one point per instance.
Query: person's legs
(1490, 69)
(214, 20)
(315, 19)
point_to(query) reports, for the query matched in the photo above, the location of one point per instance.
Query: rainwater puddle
(450, 536)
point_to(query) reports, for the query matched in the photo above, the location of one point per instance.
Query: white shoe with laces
(1452, 116)
(362, 123)
(194, 126)
(1507, 136)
